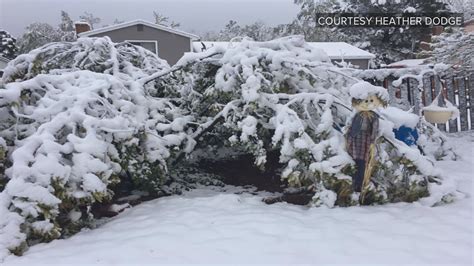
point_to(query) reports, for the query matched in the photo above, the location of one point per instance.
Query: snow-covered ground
(209, 225)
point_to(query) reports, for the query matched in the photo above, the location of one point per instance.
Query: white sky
(194, 15)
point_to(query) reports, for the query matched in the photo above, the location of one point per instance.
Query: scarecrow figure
(364, 129)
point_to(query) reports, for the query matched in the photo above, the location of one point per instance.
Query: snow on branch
(291, 100)
(95, 54)
(80, 116)
(73, 132)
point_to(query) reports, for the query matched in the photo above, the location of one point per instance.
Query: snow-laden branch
(186, 60)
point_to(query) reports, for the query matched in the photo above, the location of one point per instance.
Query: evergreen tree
(306, 20)
(455, 48)
(164, 20)
(8, 48)
(90, 18)
(466, 7)
(115, 130)
(280, 96)
(38, 34)
(66, 22)
(67, 27)
(389, 44)
(117, 111)
(258, 31)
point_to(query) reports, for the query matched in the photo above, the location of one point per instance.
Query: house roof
(341, 50)
(407, 63)
(334, 50)
(82, 23)
(137, 22)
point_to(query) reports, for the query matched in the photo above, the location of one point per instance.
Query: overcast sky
(194, 15)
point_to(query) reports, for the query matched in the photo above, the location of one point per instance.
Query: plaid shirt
(359, 137)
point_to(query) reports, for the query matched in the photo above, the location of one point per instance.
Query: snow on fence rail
(457, 89)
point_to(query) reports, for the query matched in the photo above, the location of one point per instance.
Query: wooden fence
(458, 90)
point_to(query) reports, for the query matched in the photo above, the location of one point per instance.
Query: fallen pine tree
(83, 116)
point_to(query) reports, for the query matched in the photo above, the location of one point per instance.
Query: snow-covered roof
(334, 50)
(137, 22)
(81, 22)
(342, 50)
(407, 63)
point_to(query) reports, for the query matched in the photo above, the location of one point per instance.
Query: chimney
(82, 26)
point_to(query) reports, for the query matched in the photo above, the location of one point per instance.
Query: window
(140, 27)
(150, 45)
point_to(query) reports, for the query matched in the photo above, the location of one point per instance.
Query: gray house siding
(171, 47)
(3, 64)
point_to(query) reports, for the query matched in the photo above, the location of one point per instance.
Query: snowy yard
(210, 225)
